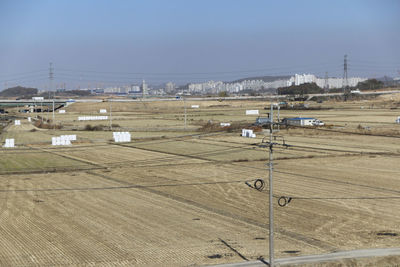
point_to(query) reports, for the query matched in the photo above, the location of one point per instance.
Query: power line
(154, 78)
(338, 181)
(347, 132)
(344, 198)
(375, 62)
(199, 73)
(119, 187)
(24, 79)
(22, 73)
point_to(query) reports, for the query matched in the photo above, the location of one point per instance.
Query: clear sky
(93, 41)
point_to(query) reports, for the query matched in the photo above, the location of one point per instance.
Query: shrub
(89, 127)
(43, 125)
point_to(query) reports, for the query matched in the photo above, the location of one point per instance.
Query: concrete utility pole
(41, 109)
(34, 108)
(279, 120)
(110, 114)
(184, 103)
(271, 204)
(271, 145)
(54, 120)
(48, 108)
(51, 77)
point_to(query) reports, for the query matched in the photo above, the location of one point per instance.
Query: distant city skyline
(214, 87)
(246, 83)
(123, 42)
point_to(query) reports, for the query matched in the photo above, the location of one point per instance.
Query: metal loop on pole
(284, 201)
(259, 184)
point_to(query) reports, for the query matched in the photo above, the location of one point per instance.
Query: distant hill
(264, 78)
(69, 93)
(76, 93)
(19, 91)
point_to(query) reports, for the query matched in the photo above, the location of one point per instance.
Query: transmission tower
(144, 89)
(51, 76)
(326, 84)
(345, 85)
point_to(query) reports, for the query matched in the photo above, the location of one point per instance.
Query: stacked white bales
(17, 122)
(120, 137)
(252, 112)
(9, 143)
(248, 133)
(63, 140)
(92, 118)
(61, 111)
(103, 111)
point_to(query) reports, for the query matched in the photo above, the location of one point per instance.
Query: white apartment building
(207, 87)
(298, 79)
(135, 88)
(170, 87)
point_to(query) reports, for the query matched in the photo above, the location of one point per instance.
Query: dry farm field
(178, 197)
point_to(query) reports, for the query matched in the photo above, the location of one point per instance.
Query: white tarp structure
(9, 143)
(120, 137)
(248, 133)
(300, 121)
(252, 112)
(195, 106)
(61, 111)
(398, 120)
(63, 140)
(17, 122)
(92, 118)
(38, 98)
(225, 124)
(29, 119)
(103, 110)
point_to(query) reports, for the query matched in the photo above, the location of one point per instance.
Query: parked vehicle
(262, 121)
(318, 123)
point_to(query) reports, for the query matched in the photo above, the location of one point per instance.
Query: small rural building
(299, 121)
(262, 121)
(248, 133)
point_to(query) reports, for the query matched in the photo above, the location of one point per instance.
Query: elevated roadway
(47, 102)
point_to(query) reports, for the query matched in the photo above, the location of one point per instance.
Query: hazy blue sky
(182, 40)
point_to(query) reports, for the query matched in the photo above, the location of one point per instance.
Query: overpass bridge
(65, 102)
(30, 102)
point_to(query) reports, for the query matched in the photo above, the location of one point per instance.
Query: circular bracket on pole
(259, 184)
(284, 201)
